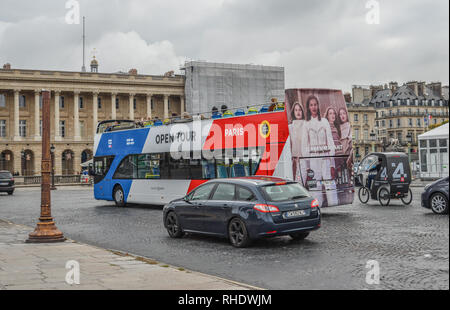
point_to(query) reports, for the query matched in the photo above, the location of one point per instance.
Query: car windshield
(5, 175)
(285, 192)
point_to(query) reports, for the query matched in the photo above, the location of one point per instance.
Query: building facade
(79, 100)
(401, 113)
(362, 117)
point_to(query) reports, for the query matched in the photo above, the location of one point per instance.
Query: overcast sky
(321, 43)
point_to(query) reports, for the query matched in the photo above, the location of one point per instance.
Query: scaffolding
(211, 85)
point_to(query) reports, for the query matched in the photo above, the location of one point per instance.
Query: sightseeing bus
(163, 162)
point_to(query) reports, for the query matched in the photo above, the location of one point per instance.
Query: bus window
(196, 169)
(147, 167)
(240, 168)
(222, 169)
(101, 167)
(208, 169)
(127, 168)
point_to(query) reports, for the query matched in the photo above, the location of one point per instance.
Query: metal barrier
(59, 180)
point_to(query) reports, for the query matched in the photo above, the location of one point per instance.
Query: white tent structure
(433, 153)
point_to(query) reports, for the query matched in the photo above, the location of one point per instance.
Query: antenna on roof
(83, 68)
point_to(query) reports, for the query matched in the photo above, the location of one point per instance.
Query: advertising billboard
(321, 144)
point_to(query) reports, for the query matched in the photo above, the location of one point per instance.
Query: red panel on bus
(248, 131)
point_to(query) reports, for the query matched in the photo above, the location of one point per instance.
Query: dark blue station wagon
(244, 209)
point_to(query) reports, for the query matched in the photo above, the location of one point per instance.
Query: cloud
(122, 51)
(323, 43)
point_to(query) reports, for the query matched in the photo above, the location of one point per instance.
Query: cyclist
(377, 168)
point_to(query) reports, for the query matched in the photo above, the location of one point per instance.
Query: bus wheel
(408, 198)
(363, 194)
(119, 196)
(384, 197)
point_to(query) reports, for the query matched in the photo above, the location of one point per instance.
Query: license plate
(4, 183)
(296, 213)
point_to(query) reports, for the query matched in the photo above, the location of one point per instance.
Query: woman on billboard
(296, 129)
(335, 126)
(317, 141)
(346, 131)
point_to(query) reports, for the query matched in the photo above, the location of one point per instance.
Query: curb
(154, 262)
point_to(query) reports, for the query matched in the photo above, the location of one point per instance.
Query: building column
(37, 133)
(57, 132)
(113, 105)
(76, 116)
(16, 115)
(182, 109)
(131, 106)
(149, 106)
(166, 106)
(94, 112)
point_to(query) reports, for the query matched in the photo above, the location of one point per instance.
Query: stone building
(79, 100)
(362, 117)
(402, 113)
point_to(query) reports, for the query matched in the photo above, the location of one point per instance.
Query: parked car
(6, 182)
(435, 196)
(244, 209)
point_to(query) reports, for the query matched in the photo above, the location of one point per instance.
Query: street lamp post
(45, 230)
(409, 140)
(373, 138)
(22, 158)
(52, 152)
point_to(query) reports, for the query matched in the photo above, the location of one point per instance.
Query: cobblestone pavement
(43, 266)
(410, 243)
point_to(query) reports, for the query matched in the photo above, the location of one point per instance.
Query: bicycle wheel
(363, 195)
(384, 197)
(408, 198)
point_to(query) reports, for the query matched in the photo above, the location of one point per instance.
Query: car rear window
(5, 175)
(285, 192)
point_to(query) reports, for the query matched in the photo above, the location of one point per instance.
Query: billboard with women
(321, 144)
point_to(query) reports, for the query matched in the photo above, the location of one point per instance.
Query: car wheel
(299, 236)
(384, 197)
(238, 234)
(408, 199)
(363, 194)
(439, 204)
(173, 226)
(10, 193)
(119, 196)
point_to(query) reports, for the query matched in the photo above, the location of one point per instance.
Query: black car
(435, 196)
(6, 182)
(244, 209)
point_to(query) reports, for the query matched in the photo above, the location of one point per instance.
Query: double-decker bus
(156, 164)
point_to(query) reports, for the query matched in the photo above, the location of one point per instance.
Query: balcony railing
(413, 114)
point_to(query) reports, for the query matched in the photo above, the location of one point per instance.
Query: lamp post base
(46, 232)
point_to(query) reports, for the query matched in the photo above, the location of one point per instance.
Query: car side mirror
(186, 199)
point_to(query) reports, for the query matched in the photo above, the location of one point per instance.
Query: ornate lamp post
(46, 230)
(52, 152)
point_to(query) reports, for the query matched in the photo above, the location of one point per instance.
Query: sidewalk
(26, 266)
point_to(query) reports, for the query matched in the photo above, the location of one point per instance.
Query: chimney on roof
(132, 72)
(414, 86)
(169, 74)
(393, 86)
(421, 88)
(348, 97)
(436, 88)
(7, 66)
